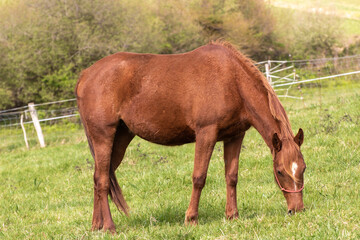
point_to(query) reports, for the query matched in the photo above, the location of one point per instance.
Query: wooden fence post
(23, 128)
(36, 123)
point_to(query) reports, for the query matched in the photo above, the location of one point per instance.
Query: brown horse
(210, 94)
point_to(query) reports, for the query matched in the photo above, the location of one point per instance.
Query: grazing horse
(210, 94)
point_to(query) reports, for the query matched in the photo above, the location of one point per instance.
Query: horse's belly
(166, 134)
(169, 119)
(158, 125)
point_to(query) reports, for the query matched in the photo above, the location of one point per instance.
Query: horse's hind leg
(122, 139)
(102, 143)
(205, 142)
(231, 157)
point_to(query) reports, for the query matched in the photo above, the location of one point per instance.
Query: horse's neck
(263, 119)
(264, 109)
(267, 126)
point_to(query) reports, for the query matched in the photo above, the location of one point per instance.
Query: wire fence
(283, 75)
(60, 120)
(47, 112)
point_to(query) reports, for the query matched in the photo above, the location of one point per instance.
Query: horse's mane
(276, 109)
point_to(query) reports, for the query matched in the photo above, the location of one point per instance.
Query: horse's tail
(116, 194)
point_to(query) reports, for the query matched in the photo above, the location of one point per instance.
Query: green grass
(47, 193)
(351, 27)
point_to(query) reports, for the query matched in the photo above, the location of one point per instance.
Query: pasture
(48, 193)
(346, 10)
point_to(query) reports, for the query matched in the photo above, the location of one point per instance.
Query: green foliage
(5, 96)
(247, 24)
(353, 48)
(48, 43)
(48, 193)
(56, 85)
(308, 35)
(318, 36)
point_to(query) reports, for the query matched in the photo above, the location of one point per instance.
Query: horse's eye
(279, 172)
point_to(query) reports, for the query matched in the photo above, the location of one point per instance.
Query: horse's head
(289, 167)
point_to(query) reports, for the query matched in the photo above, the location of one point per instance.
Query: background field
(342, 8)
(346, 10)
(47, 193)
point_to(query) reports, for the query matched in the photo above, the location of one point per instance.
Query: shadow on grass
(175, 215)
(171, 215)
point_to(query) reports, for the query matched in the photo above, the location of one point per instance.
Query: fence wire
(59, 120)
(282, 75)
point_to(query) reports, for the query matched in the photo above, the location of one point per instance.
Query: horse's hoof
(111, 229)
(191, 220)
(232, 216)
(96, 226)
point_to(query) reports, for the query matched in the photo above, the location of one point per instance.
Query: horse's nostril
(290, 212)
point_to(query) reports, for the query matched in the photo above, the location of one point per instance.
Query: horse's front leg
(231, 157)
(205, 142)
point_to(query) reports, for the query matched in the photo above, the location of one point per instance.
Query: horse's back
(162, 98)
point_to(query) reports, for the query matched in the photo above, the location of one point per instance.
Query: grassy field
(347, 10)
(47, 193)
(342, 8)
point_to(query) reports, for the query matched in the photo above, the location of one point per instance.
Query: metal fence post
(36, 123)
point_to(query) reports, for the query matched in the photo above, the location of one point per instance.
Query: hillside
(347, 10)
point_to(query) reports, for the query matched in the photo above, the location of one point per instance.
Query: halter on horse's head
(289, 167)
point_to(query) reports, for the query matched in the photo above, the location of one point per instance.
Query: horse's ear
(277, 144)
(299, 138)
